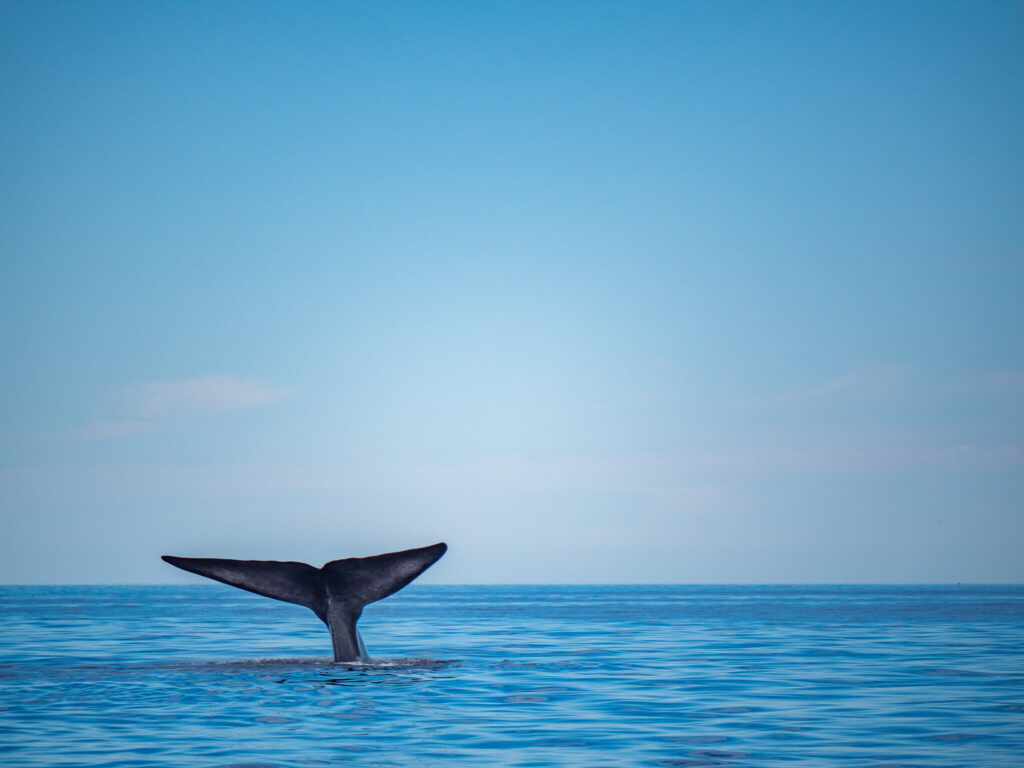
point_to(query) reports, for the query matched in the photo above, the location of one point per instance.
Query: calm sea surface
(517, 676)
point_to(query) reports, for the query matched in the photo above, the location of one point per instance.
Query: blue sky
(594, 292)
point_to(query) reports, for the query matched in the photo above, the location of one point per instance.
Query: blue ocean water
(517, 676)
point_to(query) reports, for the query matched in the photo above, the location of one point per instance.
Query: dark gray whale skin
(336, 593)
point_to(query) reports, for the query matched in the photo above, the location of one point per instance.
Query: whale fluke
(291, 582)
(336, 593)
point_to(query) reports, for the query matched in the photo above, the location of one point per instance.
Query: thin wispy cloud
(866, 382)
(142, 407)
(158, 400)
(879, 452)
(870, 381)
(1006, 383)
(878, 382)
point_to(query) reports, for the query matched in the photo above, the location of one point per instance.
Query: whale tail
(336, 593)
(355, 582)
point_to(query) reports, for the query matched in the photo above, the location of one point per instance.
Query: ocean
(211, 676)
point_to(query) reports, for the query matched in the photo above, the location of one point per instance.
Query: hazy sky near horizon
(594, 292)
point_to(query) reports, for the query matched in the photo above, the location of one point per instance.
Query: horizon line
(580, 584)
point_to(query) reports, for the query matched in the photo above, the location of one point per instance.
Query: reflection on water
(516, 676)
(323, 671)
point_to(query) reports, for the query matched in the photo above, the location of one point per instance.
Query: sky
(595, 292)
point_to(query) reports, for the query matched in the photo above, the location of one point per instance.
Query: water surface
(517, 676)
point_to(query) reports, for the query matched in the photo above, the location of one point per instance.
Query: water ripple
(864, 677)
